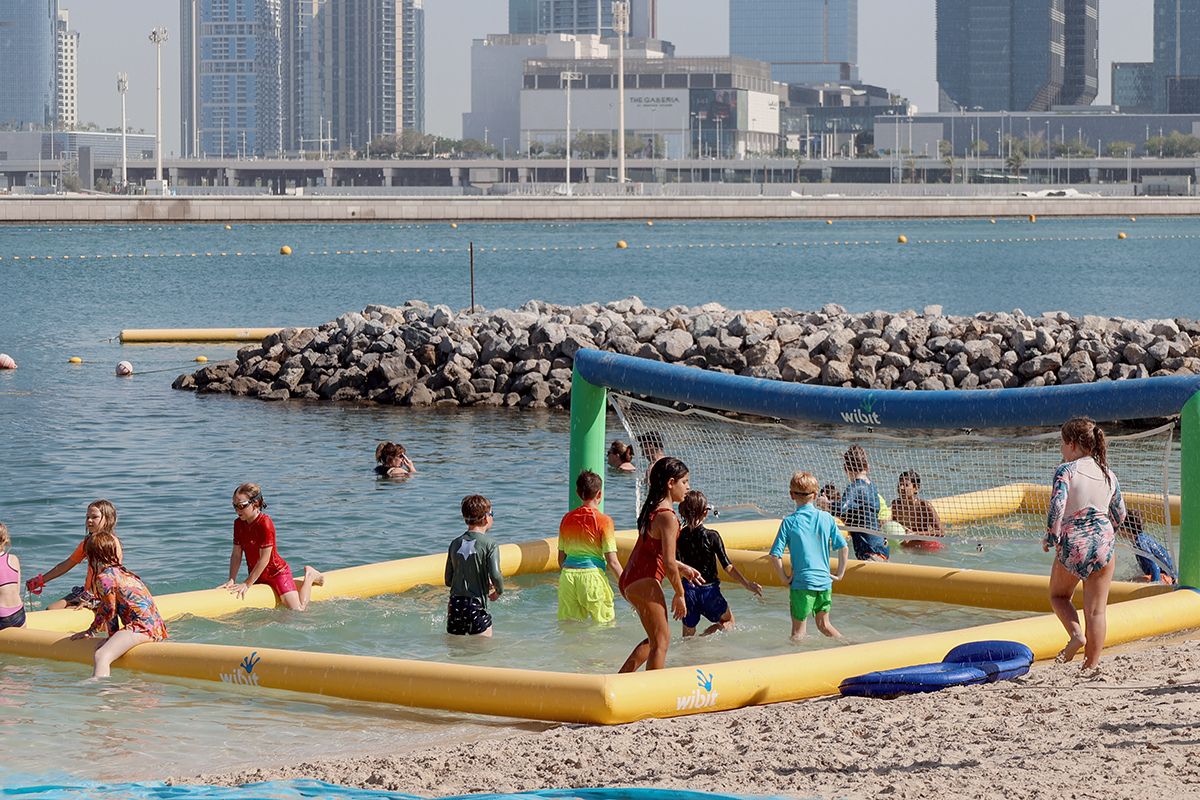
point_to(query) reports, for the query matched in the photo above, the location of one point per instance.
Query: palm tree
(1015, 162)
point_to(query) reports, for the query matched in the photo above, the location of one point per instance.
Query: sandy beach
(1131, 733)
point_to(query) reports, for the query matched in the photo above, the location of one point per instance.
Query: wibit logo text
(864, 414)
(702, 697)
(244, 674)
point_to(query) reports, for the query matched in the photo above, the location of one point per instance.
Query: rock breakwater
(422, 355)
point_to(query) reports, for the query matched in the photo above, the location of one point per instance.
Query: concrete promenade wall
(17, 209)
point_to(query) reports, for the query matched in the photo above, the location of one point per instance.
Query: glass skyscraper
(1176, 51)
(231, 77)
(804, 41)
(580, 17)
(1017, 55)
(28, 61)
(522, 16)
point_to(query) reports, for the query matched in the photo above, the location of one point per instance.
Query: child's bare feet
(311, 574)
(1075, 644)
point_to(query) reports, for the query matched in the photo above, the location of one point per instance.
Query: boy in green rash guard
(473, 572)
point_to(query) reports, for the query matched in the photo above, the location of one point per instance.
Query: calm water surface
(170, 460)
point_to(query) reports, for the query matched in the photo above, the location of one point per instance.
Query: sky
(895, 47)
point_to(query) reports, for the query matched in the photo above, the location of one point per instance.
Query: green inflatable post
(589, 405)
(1189, 504)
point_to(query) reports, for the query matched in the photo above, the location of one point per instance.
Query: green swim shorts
(806, 602)
(584, 593)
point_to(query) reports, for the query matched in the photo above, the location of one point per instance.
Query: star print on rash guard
(472, 563)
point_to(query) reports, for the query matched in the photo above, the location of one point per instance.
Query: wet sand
(1134, 732)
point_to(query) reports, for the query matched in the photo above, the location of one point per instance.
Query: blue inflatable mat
(965, 665)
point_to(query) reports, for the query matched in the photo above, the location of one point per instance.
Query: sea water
(170, 460)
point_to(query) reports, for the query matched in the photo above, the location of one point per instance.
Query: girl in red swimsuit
(652, 559)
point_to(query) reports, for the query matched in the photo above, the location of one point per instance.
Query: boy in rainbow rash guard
(586, 544)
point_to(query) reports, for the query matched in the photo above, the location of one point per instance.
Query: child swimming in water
(393, 461)
(125, 610)
(620, 457)
(254, 535)
(916, 514)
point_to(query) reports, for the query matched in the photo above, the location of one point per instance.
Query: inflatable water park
(913, 420)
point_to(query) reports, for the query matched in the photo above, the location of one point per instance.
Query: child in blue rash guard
(808, 534)
(702, 548)
(1161, 568)
(859, 508)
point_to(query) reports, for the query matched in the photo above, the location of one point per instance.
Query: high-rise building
(231, 77)
(1176, 53)
(66, 72)
(1017, 55)
(28, 48)
(1133, 86)
(1081, 73)
(412, 66)
(522, 16)
(300, 74)
(583, 17)
(804, 41)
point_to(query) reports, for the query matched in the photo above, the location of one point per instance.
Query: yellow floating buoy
(285, 251)
(74, 360)
(201, 359)
(454, 226)
(902, 239)
(1133, 219)
(622, 244)
(1122, 235)
(228, 227)
(649, 223)
(828, 222)
(1033, 217)
(992, 221)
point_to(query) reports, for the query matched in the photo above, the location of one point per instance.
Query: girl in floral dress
(1086, 507)
(124, 608)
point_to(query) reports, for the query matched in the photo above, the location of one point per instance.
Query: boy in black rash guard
(701, 548)
(473, 572)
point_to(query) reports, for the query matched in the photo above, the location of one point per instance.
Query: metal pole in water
(471, 251)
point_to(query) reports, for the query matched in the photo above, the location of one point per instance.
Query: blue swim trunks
(705, 600)
(869, 544)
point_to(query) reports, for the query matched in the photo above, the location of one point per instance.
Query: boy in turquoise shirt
(809, 535)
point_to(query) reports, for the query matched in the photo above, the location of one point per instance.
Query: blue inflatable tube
(966, 665)
(888, 408)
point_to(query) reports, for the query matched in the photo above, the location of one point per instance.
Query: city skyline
(895, 50)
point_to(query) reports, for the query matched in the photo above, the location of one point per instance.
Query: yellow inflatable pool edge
(171, 335)
(1139, 610)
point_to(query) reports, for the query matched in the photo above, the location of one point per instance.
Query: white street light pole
(122, 87)
(567, 78)
(620, 12)
(158, 36)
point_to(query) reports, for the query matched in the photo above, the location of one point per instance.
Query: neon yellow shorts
(584, 593)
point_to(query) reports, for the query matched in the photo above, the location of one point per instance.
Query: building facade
(1176, 53)
(1133, 86)
(231, 77)
(804, 41)
(1017, 55)
(66, 72)
(1081, 73)
(522, 16)
(28, 49)
(580, 17)
(272, 76)
(675, 107)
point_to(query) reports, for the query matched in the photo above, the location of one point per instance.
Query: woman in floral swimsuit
(1086, 507)
(124, 608)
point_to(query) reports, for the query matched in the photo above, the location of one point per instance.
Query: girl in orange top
(101, 518)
